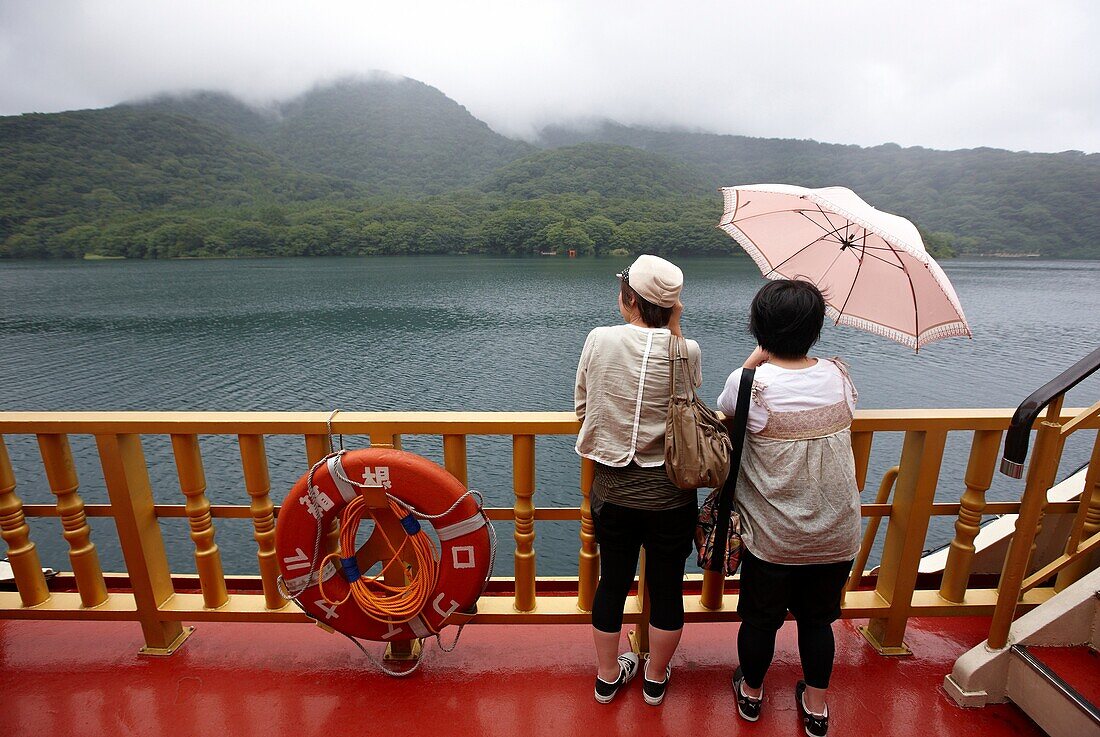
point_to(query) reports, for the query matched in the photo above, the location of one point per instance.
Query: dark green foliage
(611, 171)
(983, 200)
(394, 133)
(393, 166)
(61, 173)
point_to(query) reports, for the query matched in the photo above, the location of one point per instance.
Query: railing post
(884, 488)
(914, 495)
(22, 554)
(317, 447)
(979, 477)
(588, 561)
(258, 484)
(454, 456)
(131, 497)
(61, 474)
(523, 482)
(1085, 525)
(639, 636)
(208, 560)
(861, 454)
(1041, 473)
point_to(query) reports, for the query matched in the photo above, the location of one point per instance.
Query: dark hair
(652, 315)
(786, 317)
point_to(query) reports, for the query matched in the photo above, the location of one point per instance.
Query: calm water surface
(461, 333)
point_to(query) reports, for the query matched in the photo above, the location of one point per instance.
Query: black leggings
(811, 593)
(667, 537)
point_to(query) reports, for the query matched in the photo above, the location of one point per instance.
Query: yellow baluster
(921, 455)
(454, 456)
(1085, 524)
(861, 453)
(22, 555)
(871, 532)
(639, 636)
(131, 495)
(258, 484)
(61, 474)
(523, 482)
(979, 476)
(1041, 472)
(208, 560)
(317, 447)
(588, 563)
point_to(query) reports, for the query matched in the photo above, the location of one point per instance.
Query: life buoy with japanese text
(411, 482)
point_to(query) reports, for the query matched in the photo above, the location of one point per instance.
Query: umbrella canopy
(871, 266)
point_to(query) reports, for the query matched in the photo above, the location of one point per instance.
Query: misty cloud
(1011, 74)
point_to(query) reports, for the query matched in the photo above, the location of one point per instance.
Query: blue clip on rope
(351, 569)
(411, 524)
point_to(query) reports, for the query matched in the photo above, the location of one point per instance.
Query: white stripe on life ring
(416, 624)
(347, 491)
(303, 582)
(465, 527)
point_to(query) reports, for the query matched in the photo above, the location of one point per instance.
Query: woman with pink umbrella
(831, 254)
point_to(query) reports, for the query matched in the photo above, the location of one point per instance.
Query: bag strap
(681, 354)
(725, 496)
(671, 368)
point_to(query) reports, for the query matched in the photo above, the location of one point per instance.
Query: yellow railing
(152, 600)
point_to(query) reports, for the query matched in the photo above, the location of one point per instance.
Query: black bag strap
(725, 496)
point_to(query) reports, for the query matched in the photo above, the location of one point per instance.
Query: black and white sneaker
(817, 725)
(654, 691)
(747, 707)
(628, 668)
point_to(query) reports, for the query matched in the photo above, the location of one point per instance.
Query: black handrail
(1019, 430)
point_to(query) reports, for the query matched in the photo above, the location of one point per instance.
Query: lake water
(457, 333)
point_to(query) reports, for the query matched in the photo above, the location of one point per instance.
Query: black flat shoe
(747, 707)
(815, 725)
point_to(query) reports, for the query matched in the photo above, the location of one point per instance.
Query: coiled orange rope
(391, 604)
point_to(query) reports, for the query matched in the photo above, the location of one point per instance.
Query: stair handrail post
(1040, 477)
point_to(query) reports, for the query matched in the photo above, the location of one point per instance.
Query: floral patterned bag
(718, 531)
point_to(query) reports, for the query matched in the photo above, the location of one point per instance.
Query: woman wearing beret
(621, 397)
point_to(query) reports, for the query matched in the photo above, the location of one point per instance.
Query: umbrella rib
(799, 210)
(844, 306)
(880, 258)
(817, 282)
(799, 251)
(916, 311)
(828, 219)
(834, 231)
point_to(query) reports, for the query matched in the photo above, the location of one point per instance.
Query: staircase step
(1047, 698)
(1079, 667)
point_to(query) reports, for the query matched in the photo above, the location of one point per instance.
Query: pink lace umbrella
(871, 266)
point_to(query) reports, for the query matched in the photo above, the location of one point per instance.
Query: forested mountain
(396, 134)
(69, 171)
(384, 165)
(611, 171)
(988, 200)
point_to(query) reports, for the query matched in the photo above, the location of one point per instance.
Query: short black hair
(786, 317)
(652, 315)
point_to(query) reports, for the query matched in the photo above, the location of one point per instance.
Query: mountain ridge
(129, 178)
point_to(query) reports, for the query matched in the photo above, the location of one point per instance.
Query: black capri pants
(667, 536)
(811, 593)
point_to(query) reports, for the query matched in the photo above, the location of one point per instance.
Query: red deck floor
(1078, 666)
(87, 679)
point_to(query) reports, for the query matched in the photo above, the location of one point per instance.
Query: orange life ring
(418, 484)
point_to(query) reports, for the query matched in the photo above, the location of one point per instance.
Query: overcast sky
(1017, 75)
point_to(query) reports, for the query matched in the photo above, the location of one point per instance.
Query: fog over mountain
(372, 165)
(1013, 74)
